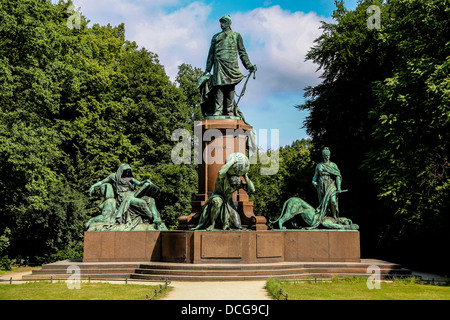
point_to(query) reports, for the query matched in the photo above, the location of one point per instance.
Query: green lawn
(356, 289)
(337, 289)
(88, 291)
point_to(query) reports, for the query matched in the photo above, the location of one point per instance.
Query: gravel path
(181, 290)
(217, 290)
(212, 290)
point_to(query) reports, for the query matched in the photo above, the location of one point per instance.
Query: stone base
(114, 246)
(218, 138)
(222, 246)
(162, 271)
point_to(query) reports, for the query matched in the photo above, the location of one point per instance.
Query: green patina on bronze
(328, 177)
(219, 210)
(223, 55)
(327, 180)
(124, 209)
(313, 217)
(218, 89)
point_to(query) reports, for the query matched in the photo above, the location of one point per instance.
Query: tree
(31, 185)
(293, 179)
(349, 54)
(75, 104)
(410, 163)
(382, 108)
(187, 81)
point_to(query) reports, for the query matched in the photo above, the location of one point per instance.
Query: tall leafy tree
(36, 194)
(292, 179)
(349, 54)
(187, 81)
(75, 104)
(382, 108)
(411, 161)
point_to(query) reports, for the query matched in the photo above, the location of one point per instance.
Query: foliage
(413, 113)
(187, 81)
(4, 241)
(293, 179)
(74, 105)
(383, 109)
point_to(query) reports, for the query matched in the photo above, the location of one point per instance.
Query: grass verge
(355, 288)
(88, 291)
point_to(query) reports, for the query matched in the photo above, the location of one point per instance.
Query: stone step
(247, 277)
(232, 272)
(81, 265)
(85, 271)
(210, 272)
(58, 270)
(103, 276)
(261, 266)
(285, 271)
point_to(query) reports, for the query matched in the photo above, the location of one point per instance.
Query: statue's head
(124, 171)
(225, 22)
(241, 164)
(127, 173)
(326, 154)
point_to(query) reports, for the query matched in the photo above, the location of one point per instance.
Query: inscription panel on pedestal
(174, 246)
(269, 245)
(221, 246)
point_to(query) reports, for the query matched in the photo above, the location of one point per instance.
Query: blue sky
(277, 35)
(321, 7)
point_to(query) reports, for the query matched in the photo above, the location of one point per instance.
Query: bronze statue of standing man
(327, 180)
(223, 52)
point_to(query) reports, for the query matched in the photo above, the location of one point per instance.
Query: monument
(123, 209)
(222, 227)
(218, 89)
(222, 232)
(225, 122)
(220, 208)
(327, 180)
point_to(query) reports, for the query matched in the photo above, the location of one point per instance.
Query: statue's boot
(218, 112)
(230, 109)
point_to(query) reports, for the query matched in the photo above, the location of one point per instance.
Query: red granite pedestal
(245, 247)
(220, 250)
(219, 256)
(218, 139)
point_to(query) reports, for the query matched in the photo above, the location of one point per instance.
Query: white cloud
(177, 33)
(178, 37)
(110, 11)
(278, 41)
